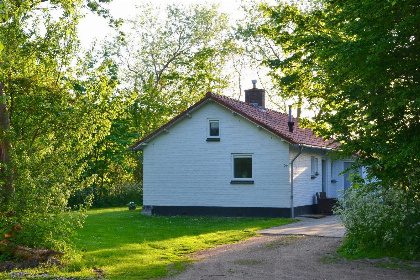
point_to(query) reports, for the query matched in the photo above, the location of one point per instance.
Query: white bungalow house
(224, 157)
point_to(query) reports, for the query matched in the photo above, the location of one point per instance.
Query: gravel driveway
(287, 257)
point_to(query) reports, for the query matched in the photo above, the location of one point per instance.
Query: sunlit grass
(126, 245)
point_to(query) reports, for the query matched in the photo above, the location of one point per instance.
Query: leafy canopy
(362, 70)
(172, 56)
(358, 62)
(56, 107)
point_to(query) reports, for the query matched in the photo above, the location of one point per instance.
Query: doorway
(347, 181)
(324, 175)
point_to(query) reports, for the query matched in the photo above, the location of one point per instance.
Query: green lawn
(126, 245)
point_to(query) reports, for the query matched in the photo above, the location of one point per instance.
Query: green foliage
(253, 49)
(357, 62)
(109, 195)
(109, 163)
(172, 57)
(380, 223)
(58, 111)
(361, 70)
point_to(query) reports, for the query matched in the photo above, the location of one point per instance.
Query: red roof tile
(275, 122)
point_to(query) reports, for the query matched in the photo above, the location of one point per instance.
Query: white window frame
(332, 172)
(313, 168)
(242, 180)
(210, 137)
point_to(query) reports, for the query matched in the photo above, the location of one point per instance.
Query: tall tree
(359, 62)
(51, 114)
(173, 55)
(170, 58)
(110, 163)
(362, 69)
(264, 52)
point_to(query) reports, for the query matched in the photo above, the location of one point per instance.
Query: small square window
(242, 169)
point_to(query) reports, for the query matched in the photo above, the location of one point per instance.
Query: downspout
(292, 209)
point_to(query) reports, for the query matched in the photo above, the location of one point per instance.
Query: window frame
(212, 138)
(313, 170)
(240, 180)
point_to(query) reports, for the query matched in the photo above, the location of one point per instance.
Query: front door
(324, 175)
(347, 182)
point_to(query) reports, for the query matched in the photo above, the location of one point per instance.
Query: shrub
(380, 222)
(118, 195)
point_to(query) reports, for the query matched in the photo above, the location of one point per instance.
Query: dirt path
(286, 257)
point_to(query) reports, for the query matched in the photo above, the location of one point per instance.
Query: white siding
(182, 169)
(305, 187)
(337, 180)
(337, 186)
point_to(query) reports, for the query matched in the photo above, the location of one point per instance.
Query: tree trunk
(6, 170)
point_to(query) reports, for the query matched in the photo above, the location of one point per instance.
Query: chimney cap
(254, 83)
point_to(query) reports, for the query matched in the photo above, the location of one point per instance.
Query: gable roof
(272, 121)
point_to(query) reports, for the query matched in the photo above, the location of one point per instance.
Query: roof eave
(314, 147)
(139, 145)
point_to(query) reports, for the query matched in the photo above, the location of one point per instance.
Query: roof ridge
(212, 94)
(273, 121)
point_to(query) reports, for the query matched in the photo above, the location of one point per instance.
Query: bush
(380, 222)
(118, 195)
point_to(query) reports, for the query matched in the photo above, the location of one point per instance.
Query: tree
(264, 52)
(173, 56)
(51, 117)
(359, 62)
(252, 49)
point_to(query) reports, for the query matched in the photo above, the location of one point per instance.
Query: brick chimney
(255, 96)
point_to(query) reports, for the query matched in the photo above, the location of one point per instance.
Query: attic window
(242, 169)
(213, 131)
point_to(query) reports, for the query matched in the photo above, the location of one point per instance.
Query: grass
(126, 245)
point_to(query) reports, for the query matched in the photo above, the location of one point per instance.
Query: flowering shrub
(380, 222)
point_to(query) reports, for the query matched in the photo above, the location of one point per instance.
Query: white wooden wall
(306, 187)
(338, 166)
(182, 169)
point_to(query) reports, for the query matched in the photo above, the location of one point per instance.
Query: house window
(242, 169)
(213, 130)
(314, 167)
